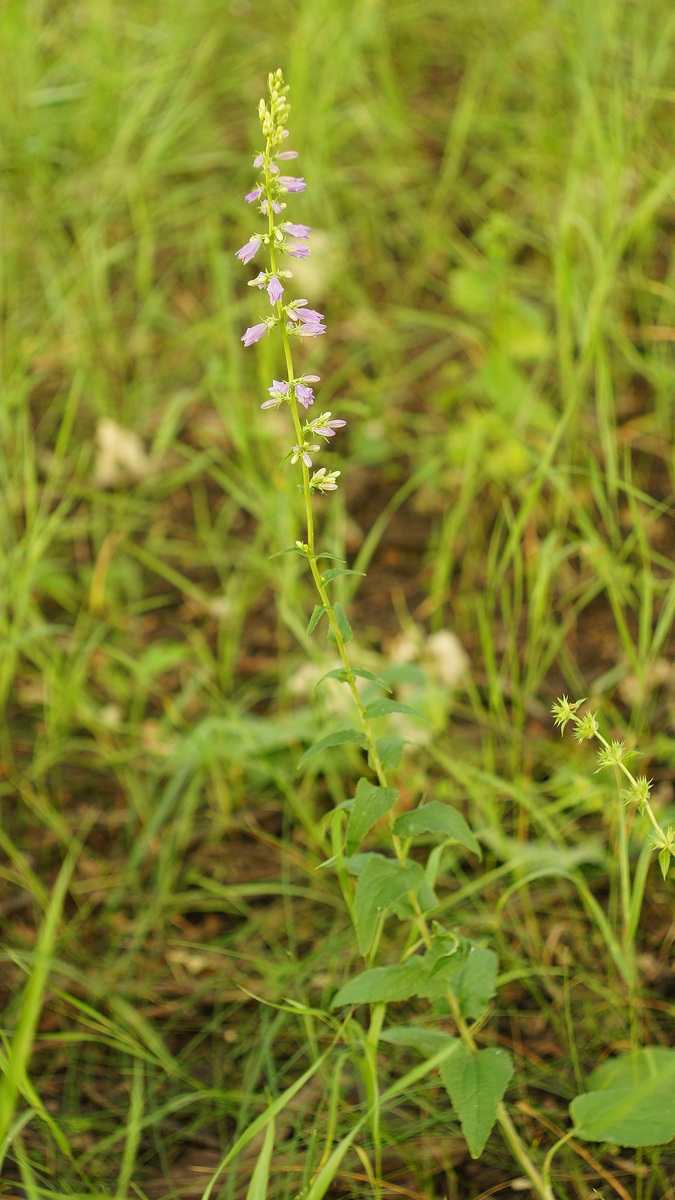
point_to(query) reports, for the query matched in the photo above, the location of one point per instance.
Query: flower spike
(295, 316)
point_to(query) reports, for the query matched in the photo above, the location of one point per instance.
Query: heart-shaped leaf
(370, 803)
(475, 1084)
(437, 818)
(379, 886)
(633, 1101)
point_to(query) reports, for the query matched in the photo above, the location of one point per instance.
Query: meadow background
(491, 189)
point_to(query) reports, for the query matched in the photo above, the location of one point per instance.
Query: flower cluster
(292, 317)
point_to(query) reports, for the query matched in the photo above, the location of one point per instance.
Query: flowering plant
(455, 975)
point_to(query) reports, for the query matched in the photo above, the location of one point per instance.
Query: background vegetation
(491, 189)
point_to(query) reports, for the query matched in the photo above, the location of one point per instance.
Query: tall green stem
(378, 1011)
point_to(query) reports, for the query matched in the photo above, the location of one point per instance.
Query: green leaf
(390, 749)
(427, 900)
(319, 610)
(477, 983)
(341, 674)
(380, 984)
(382, 708)
(356, 864)
(475, 1084)
(257, 1189)
(664, 861)
(379, 886)
(641, 1066)
(427, 1041)
(437, 818)
(370, 803)
(15, 1067)
(291, 550)
(336, 572)
(327, 554)
(633, 1104)
(342, 624)
(332, 739)
(470, 971)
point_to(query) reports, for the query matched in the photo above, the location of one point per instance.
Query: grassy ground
(492, 189)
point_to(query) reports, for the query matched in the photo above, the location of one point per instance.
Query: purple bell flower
(297, 231)
(255, 333)
(304, 395)
(292, 183)
(315, 329)
(249, 250)
(328, 429)
(274, 290)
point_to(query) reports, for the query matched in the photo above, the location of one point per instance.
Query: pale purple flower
(297, 251)
(302, 452)
(304, 395)
(297, 231)
(284, 154)
(326, 428)
(324, 480)
(247, 252)
(255, 333)
(292, 183)
(274, 170)
(298, 312)
(276, 206)
(274, 290)
(313, 330)
(251, 196)
(279, 385)
(278, 393)
(258, 160)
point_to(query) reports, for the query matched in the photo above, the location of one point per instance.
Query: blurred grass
(491, 189)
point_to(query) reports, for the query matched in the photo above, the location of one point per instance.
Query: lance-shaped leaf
(332, 739)
(390, 750)
(379, 886)
(317, 613)
(291, 550)
(370, 803)
(341, 674)
(342, 624)
(437, 818)
(633, 1101)
(382, 708)
(260, 1178)
(475, 1084)
(336, 572)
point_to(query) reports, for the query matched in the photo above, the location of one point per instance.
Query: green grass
(493, 189)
